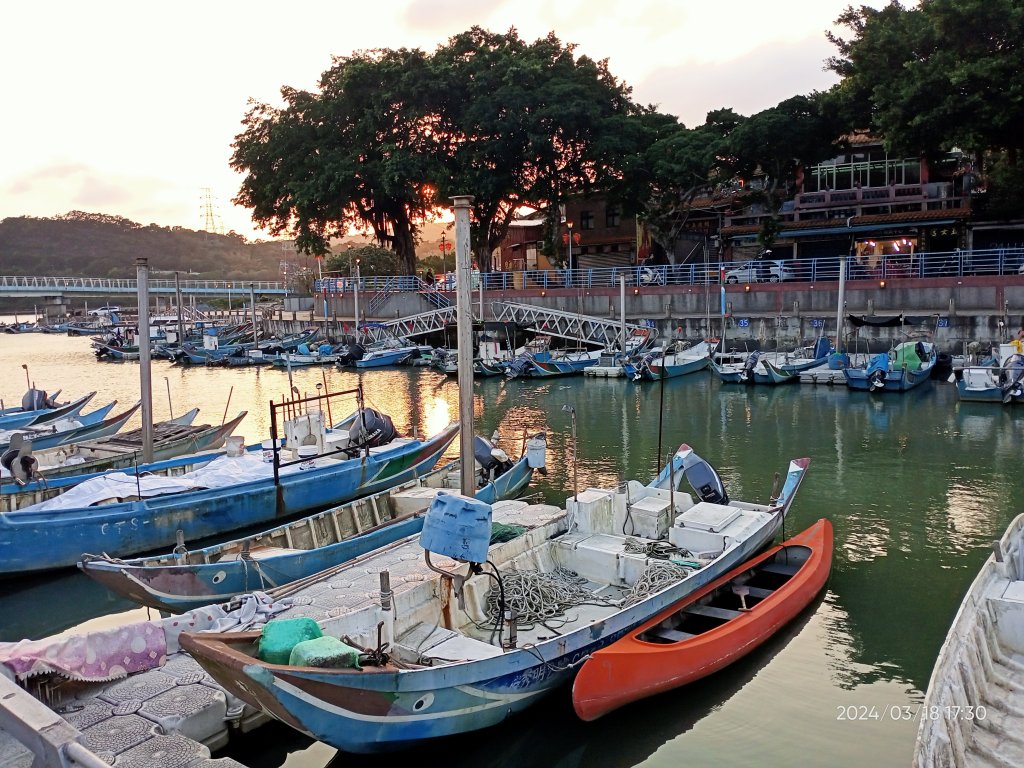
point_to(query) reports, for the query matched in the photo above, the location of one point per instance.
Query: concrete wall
(970, 308)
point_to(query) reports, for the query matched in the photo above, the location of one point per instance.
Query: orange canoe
(708, 629)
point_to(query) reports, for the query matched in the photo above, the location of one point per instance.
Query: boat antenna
(27, 381)
(661, 409)
(572, 411)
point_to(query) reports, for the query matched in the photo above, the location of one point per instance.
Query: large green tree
(392, 135)
(353, 155)
(523, 124)
(771, 146)
(948, 73)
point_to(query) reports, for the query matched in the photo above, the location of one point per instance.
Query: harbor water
(917, 486)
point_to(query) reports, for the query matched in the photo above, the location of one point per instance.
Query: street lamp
(444, 248)
(320, 277)
(569, 238)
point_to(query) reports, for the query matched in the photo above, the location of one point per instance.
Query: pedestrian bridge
(53, 287)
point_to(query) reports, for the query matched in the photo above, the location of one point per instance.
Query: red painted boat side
(631, 669)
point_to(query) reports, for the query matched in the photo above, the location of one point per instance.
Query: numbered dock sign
(943, 322)
(743, 322)
(817, 322)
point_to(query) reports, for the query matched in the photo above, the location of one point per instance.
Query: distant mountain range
(82, 244)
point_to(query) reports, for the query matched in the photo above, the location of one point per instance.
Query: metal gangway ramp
(412, 325)
(567, 325)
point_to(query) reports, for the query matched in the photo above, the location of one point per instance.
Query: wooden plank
(782, 569)
(672, 635)
(712, 612)
(757, 592)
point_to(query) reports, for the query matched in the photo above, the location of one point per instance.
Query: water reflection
(916, 486)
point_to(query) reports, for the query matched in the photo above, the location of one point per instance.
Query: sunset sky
(131, 108)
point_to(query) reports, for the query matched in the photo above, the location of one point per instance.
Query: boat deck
(972, 713)
(177, 715)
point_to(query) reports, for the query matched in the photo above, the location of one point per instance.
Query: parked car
(763, 271)
(104, 311)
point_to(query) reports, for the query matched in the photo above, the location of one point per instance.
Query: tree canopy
(945, 74)
(391, 135)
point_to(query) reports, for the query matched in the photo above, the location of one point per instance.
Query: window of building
(612, 216)
(586, 219)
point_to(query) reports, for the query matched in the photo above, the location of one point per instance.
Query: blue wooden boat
(90, 426)
(15, 418)
(906, 366)
(667, 365)
(185, 579)
(171, 438)
(564, 363)
(774, 368)
(379, 358)
(227, 494)
(452, 666)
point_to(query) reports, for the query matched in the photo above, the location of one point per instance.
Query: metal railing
(106, 285)
(958, 263)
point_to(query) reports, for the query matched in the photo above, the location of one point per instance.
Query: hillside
(99, 245)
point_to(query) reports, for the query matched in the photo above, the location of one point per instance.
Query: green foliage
(945, 74)
(98, 245)
(372, 260)
(1004, 198)
(392, 135)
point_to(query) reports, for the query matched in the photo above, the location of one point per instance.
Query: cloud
(757, 80)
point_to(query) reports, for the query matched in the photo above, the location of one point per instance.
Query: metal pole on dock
(177, 300)
(464, 322)
(252, 298)
(145, 372)
(842, 300)
(355, 294)
(622, 306)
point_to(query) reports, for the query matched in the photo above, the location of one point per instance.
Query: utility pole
(145, 372)
(464, 319)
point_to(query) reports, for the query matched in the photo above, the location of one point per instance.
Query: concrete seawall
(958, 310)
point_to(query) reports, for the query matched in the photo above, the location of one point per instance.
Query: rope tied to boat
(661, 550)
(658, 575)
(538, 597)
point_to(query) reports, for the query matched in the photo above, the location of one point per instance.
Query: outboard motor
(518, 366)
(876, 371)
(494, 461)
(747, 374)
(19, 461)
(1011, 378)
(374, 428)
(35, 400)
(704, 480)
(355, 352)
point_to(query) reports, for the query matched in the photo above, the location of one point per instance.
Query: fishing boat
(89, 426)
(998, 380)
(185, 579)
(564, 362)
(775, 367)
(14, 418)
(678, 360)
(126, 514)
(909, 364)
(461, 652)
(610, 363)
(303, 356)
(710, 628)
(972, 714)
(390, 354)
(171, 438)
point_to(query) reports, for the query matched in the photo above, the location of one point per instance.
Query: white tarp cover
(226, 470)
